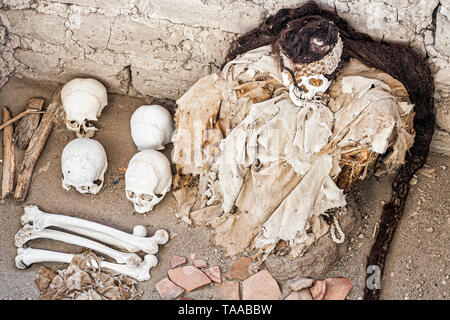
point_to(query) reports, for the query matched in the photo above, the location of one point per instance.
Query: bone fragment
(28, 233)
(97, 231)
(27, 256)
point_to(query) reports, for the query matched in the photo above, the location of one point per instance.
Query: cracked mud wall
(162, 47)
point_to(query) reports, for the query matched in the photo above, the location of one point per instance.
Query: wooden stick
(9, 165)
(18, 117)
(36, 146)
(26, 127)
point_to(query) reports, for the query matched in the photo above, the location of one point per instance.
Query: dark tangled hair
(286, 31)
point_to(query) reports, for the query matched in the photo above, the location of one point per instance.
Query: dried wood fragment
(27, 126)
(18, 117)
(36, 146)
(8, 156)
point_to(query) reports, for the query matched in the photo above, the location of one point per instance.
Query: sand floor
(417, 268)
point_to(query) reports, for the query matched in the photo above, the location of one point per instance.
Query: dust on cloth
(80, 281)
(271, 170)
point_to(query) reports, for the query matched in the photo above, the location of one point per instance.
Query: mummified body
(266, 148)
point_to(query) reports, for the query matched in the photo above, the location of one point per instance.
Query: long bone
(130, 242)
(28, 233)
(27, 256)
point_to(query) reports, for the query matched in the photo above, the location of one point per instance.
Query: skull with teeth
(83, 100)
(147, 179)
(83, 163)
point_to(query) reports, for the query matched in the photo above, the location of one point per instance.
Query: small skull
(147, 180)
(83, 101)
(151, 127)
(83, 163)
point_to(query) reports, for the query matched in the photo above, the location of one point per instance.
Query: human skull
(308, 88)
(151, 127)
(83, 101)
(83, 163)
(147, 179)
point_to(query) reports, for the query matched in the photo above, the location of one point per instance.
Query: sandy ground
(417, 268)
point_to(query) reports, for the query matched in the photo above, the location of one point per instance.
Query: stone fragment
(300, 283)
(300, 295)
(260, 286)
(337, 288)
(318, 290)
(442, 33)
(318, 259)
(239, 269)
(188, 277)
(228, 290)
(214, 274)
(177, 261)
(200, 263)
(440, 142)
(168, 290)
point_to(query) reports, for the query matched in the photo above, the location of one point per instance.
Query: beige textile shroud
(269, 170)
(79, 281)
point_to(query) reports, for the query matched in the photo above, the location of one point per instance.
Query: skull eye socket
(131, 194)
(146, 197)
(73, 124)
(315, 82)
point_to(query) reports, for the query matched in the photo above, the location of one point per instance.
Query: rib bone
(129, 242)
(28, 233)
(27, 256)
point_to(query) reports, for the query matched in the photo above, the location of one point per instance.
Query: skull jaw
(144, 208)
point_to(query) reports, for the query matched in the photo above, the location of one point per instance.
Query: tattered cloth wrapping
(267, 167)
(79, 281)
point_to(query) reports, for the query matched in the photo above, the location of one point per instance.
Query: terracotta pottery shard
(177, 261)
(239, 269)
(228, 290)
(337, 288)
(168, 290)
(260, 286)
(300, 295)
(188, 277)
(300, 283)
(318, 290)
(214, 274)
(200, 263)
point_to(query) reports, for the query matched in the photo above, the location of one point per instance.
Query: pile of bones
(84, 162)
